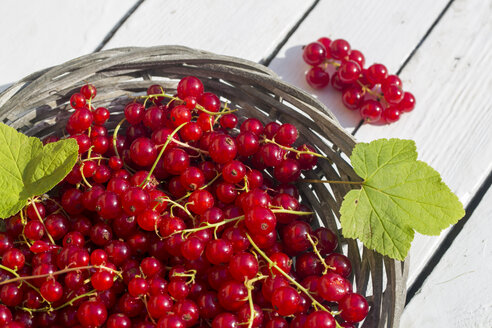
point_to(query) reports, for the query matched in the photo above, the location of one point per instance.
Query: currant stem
(292, 212)
(115, 136)
(289, 278)
(23, 278)
(17, 275)
(365, 88)
(41, 220)
(187, 232)
(81, 168)
(69, 303)
(181, 207)
(298, 152)
(316, 251)
(169, 138)
(144, 300)
(184, 144)
(330, 181)
(250, 287)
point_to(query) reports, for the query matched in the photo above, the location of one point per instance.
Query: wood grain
(457, 293)
(385, 31)
(246, 29)
(39, 34)
(451, 124)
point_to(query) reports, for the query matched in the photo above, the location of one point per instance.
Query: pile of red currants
(377, 95)
(185, 220)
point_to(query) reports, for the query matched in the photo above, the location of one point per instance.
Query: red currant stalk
(144, 301)
(187, 274)
(222, 112)
(32, 203)
(317, 305)
(68, 303)
(298, 152)
(250, 287)
(176, 204)
(81, 169)
(115, 136)
(180, 101)
(316, 251)
(19, 278)
(201, 188)
(187, 232)
(169, 138)
(87, 267)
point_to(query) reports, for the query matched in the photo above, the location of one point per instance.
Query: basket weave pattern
(38, 105)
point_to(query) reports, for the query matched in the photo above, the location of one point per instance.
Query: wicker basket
(38, 105)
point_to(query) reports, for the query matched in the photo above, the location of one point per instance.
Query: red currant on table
(378, 95)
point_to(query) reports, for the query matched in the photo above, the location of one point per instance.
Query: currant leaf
(28, 169)
(399, 195)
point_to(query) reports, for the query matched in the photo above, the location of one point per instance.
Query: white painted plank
(386, 31)
(39, 34)
(457, 293)
(450, 76)
(246, 29)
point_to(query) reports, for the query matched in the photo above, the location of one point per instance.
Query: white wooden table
(442, 50)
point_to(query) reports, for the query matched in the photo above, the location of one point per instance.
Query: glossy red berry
(371, 110)
(317, 77)
(285, 300)
(376, 73)
(354, 308)
(92, 314)
(78, 101)
(333, 287)
(134, 113)
(314, 53)
(349, 71)
(190, 86)
(353, 97)
(407, 104)
(339, 49)
(223, 149)
(320, 319)
(89, 91)
(51, 290)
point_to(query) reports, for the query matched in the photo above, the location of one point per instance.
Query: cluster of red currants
(377, 95)
(185, 221)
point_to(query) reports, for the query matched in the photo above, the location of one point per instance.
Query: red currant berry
(358, 57)
(190, 86)
(391, 114)
(371, 110)
(333, 287)
(314, 53)
(352, 97)
(349, 72)
(376, 73)
(354, 308)
(285, 300)
(134, 113)
(77, 101)
(317, 77)
(92, 314)
(339, 49)
(407, 104)
(101, 115)
(223, 149)
(88, 91)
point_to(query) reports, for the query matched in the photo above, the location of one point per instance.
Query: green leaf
(28, 169)
(399, 195)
